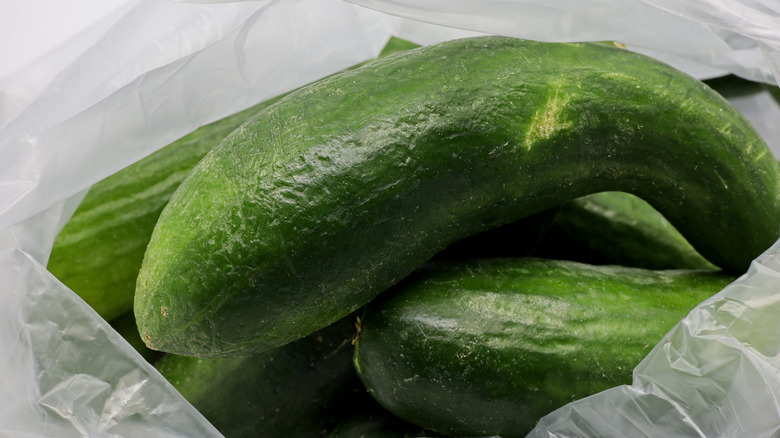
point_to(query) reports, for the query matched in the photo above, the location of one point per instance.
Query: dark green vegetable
(490, 346)
(620, 229)
(298, 390)
(341, 189)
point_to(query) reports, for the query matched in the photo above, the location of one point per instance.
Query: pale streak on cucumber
(547, 121)
(92, 216)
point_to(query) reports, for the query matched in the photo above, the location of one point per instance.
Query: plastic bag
(69, 374)
(139, 74)
(702, 37)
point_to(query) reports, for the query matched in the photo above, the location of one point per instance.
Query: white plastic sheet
(137, 74)
(68, 374)
(702, 37)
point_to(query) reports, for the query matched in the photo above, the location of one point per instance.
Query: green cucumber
(488, 347)
(341, 189)
(100, 250)
(395, 45)
(619, 229)
(298, 390)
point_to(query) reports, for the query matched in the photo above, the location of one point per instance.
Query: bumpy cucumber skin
(620, 229)
(490, 346)
(100, 250)
(299, 390)
(338, 191)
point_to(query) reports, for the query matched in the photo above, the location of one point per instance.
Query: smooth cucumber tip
(152, 314)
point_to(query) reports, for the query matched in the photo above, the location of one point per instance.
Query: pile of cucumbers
(448, 241)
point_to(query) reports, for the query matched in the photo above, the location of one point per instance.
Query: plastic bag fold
(133, 92)
(715, 374)
(704, 38)
(68, 374)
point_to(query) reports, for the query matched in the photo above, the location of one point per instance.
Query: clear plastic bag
(139, 74)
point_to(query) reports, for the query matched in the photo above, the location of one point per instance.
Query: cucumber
(298, 390)
(395, 45)
(341, 189)
(620, 229)
(489, 346)
(100, 250)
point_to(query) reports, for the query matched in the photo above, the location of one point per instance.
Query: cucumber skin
(338, 191)
(490, 346)
(299, 390)
(368, 419)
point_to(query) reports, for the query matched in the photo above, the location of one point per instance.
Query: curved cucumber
(619, 229)
(490, 346)
(334, 193)
(297, 391)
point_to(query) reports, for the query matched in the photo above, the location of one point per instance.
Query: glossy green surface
(341, 189)
(299, 390)
(490, 346)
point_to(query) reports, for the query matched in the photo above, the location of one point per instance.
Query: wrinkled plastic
(702, 37)
(143, 73)
(715, 374)
(68, 374)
